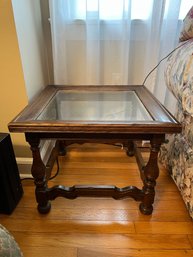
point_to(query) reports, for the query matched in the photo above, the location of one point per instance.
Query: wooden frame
(67, 132)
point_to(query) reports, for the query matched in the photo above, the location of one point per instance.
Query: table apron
(93, 136)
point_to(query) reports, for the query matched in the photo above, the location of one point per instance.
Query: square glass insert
(101, 106)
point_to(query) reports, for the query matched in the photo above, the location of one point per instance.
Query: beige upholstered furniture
(177, 153)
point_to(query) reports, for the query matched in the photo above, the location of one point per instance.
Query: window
(117, 9)
(185, 7)
(113, 9)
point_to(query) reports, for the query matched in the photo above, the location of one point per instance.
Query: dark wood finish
(162, 121)
(62, 147)
(68, 132)
(95, 191)
(39, 173)
(151, 173)
(130, 148)
(139, 159)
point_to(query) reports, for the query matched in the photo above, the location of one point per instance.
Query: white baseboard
(24, 164)
(22, 176)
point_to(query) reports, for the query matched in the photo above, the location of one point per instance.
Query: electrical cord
(57, 171)
(55, 175)
(162, 60)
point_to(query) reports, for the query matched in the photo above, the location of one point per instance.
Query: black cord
(56, 174)
(162, 60)
(57, 171)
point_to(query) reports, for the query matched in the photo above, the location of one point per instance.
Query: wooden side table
(96, 114)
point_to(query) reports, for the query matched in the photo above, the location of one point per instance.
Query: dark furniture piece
(10, 185)
(103, 114)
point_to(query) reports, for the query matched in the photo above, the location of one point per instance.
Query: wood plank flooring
(94, 227)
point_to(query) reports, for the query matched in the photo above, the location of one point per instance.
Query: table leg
(151, 173)
(62, 147)
(39, 173)
(130, 148)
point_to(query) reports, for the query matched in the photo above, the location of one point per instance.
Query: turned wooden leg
(38, 171)
(130, 148)
(151, 173)
(62, 147)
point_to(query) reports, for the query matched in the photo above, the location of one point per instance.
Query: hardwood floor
(94, 227)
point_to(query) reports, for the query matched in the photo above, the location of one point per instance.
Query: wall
(30, 33)
(13, 95)
(23, 66)
(37, 68)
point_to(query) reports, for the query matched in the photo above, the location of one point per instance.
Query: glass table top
(95, 106)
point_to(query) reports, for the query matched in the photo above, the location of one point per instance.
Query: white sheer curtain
(114, 42)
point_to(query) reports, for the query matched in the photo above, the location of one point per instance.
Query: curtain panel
(114, 42)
